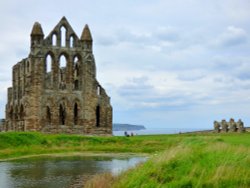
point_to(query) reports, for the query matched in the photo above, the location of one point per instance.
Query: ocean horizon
(155, 131)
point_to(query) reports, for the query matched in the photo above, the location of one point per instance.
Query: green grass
(185, 160)
(197, 161)
(17, 144)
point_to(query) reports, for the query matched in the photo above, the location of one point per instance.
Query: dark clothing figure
(126, 134)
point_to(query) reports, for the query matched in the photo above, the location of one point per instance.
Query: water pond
(62, 172)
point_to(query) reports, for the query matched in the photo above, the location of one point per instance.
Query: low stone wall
(230, 126)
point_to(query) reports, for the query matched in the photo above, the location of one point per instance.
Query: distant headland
(127, 127)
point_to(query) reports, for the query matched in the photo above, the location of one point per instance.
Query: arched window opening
(48, 115)
(76, 67)
(76, 84)
(76, 59)
(98, 116)
(76, 70)
(62, 72)
(28, 66)
(48, 71)
(63, 36)
(54, 40)
(11, 113)
(21, 113)
(71, 42)
(63, 61)
(75, 114)
(16, 113)
(62, 115)
(98, 90)
(48, 64)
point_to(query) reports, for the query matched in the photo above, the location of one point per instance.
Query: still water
(59, 171)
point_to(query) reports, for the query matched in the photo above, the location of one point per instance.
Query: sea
(155, 131)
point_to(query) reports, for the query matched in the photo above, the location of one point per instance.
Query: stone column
(216, 127)
(240, 126)
(224, 126)
(232, 125)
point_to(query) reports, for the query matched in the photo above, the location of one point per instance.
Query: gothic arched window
(21, 113)
(62, 72)
(75, 114)
(62, 114)
(54, 40)
(48, 63)
(48, 115)
(98, 116)
(63, 36)
(71, 42)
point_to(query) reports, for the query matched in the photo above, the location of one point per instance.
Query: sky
(164, 63)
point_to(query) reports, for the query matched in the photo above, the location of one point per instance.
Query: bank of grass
(184, 160)
(207, 160)
(19, 144)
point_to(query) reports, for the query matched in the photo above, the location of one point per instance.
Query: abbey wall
(54, 89)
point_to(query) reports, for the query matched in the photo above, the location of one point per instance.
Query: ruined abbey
(54, 89)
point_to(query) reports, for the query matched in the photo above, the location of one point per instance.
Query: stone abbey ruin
(230, 126)
(55, 90)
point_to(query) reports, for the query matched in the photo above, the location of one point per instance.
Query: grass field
(18, 144)
(185, 160)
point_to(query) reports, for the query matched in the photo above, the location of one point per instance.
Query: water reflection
(59, 172)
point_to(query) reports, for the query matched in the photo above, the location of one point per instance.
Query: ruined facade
(230, 126)
(55, 90)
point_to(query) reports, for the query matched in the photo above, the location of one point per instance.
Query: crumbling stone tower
(55, 90)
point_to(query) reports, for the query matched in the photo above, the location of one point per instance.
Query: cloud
(192, 75)
(233, 36)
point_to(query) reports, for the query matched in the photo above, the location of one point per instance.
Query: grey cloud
(242, 72)
(244, 75)
(166, 34)
(191, 75)
(143, 95)
(145, 37)
(136, 88)
(233, 36)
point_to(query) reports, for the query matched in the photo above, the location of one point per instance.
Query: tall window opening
(76, 73)
(16, 113)
(98, 90)
(54, 40)
(21, 113)
(63, 62)
(75, 114)
(28, 66)
(71, 42)
(62, 114)
(11, 113)
(63, 36)
(98, 116)
(48, 71)
(76, 67)
(76, 85)
(48, 115)
(62, 72)
(48, 63)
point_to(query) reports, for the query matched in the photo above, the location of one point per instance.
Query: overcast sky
(165, 63)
